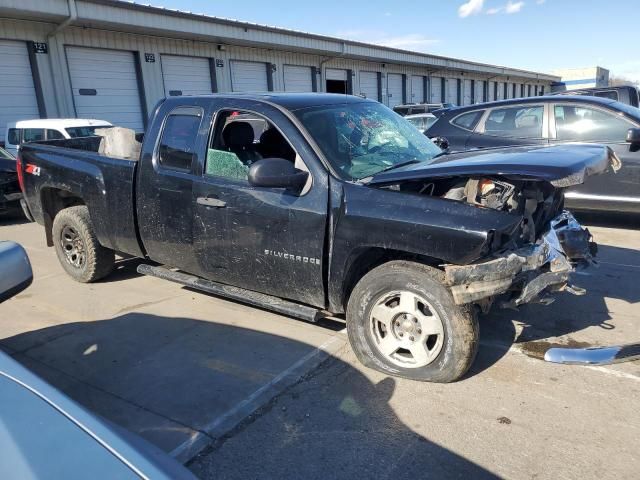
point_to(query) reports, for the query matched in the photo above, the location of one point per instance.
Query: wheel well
(53, 200)
(365, 260)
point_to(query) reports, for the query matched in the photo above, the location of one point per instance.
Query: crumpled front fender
(528, 271)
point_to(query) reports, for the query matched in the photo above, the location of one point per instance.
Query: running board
(274, 304)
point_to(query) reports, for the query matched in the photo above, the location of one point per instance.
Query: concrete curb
(227, 421)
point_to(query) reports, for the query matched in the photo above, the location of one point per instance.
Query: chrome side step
(274, 304)
(593, 355)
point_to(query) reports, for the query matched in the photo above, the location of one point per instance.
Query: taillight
(19, 171)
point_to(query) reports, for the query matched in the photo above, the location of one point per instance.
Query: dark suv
(550, 120)
(623, 94)
(415, 108)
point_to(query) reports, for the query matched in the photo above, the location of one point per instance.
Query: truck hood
(562, 166)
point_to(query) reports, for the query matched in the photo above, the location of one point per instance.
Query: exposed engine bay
(535, 259)
(537, 202)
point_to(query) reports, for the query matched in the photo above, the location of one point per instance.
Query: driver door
(268, 240)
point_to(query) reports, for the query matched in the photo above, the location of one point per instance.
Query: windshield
(86, 131)
(362, 139)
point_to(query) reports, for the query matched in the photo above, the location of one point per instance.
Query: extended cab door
(511, 125)
(269, 240)
(581, 122)
(165, 181)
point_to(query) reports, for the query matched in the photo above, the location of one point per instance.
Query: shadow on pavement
(337, 424)
(13, 218)
(609, 219)
(125, 269)
(167, 378)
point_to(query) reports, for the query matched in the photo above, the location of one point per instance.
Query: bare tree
(619, 81)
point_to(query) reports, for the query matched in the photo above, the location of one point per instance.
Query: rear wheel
(77, 247)
(402, 320)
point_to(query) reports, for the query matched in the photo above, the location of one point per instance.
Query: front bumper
(528, 272)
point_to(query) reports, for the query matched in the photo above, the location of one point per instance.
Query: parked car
(25, 131)
(415, 108)
(438, 112)
(10, 193)
(553, 120)
(623, 94)
(422, 121)
(341, 207)
(45, 434)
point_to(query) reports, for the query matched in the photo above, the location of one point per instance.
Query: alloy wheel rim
(406, 329)
(73, 247)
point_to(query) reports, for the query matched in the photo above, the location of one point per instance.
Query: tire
(77, 247)
(405, 305)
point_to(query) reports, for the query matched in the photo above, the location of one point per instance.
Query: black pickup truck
(319, 205)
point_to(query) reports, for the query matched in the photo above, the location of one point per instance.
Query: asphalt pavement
(260, 395)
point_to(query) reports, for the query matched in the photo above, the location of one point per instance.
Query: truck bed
(72, 169)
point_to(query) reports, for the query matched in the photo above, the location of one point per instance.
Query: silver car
(422, 121)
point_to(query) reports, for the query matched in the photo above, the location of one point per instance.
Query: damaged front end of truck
(547, 244)
(529, 271)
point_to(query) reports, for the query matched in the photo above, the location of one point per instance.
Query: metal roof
(134, 17)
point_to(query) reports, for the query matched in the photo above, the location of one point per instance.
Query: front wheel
(77, 247)
(402, 320)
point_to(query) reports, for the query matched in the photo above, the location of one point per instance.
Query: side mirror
(633, 137)
(16, 270)
(441, 142)
(277, 173)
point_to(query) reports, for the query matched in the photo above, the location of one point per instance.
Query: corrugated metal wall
(56, 85)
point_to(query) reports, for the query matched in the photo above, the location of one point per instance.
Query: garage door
(417, 89)
(17, 94)
(298, 79)
(105, 86)
(394, 89)
(249, 76)
(436, 89)
(336, 74)
(466, 97)
(452, 90)
(369, 85)
(185, 75)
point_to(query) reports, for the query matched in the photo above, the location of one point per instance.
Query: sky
(539, 35)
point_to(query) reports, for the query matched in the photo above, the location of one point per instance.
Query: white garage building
(114, 60)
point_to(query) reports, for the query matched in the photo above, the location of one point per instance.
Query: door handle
(211, 202)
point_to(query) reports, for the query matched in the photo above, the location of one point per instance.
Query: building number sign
(40, 47)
